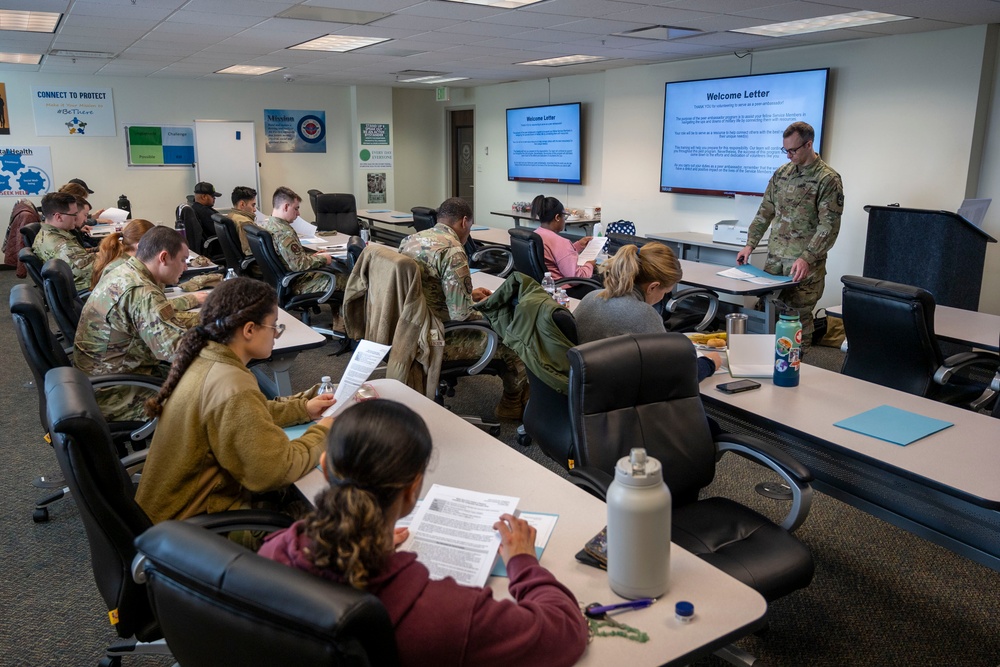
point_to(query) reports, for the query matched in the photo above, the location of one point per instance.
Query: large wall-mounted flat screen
(723, 136)
(544, 144)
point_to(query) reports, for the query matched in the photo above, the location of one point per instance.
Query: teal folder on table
(893, 425)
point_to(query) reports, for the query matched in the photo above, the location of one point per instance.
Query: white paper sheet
(303, 227)
(740, 274)
(115, 215)
(592, 250)
(365, 359)
(452, 533)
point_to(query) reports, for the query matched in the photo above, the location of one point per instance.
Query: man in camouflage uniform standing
(804, 200)
(286, 208)
(447, 288)
(129, 326)
(56, 238)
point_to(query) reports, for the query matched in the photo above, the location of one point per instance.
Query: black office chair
(105, 497)
(64, 301)
(232, 249)
(528, 251)
(642, 391)
(546, 416)
(29, 232)
(891, 342)
(493, 259)
(277, 274)
(210, 247)
(313, 194)
(42, 352)
(424, 217)
(220, 604)
(337, 212)
(33, 264)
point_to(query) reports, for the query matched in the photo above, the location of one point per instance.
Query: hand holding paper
(592, 250)
(365, 359)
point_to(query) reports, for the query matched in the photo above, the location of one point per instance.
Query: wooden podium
(938, 250)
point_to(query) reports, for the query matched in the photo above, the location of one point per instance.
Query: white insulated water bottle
(638, 528)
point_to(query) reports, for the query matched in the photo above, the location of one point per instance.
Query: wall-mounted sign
(71, 111)
(25, 171)
(160, 145)
(290, 131)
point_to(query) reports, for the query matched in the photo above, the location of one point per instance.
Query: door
(463, 154)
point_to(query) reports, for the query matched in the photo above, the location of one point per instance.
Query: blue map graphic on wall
(20, 179)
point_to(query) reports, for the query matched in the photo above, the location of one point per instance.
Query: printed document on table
(452, 533)
(115, 215)
(754, 275)
(592, 250)
(365, 359)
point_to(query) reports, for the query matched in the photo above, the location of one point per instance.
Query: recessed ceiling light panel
(252, 70)
(501, 4)
(21, 58)
(822, 23)
(339, 43)
(12, 19)
(562, 61)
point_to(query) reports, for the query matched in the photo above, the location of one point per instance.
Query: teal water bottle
(787, 350)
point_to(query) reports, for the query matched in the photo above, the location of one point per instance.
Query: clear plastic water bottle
(326, 386)
(787, 350)
(562, 297)
(230, 274)
(548, 284)
(639, 507)
(598, 229)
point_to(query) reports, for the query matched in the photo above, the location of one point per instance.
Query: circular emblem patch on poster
(365, 155)
(311, 129)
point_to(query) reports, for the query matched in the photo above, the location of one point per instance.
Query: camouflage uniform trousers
(317, 282)
(463, 345)
(803, 297)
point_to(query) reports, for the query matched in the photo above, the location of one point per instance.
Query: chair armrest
(592, 480)
(288, 278)
(131, 380)
(574, 280)
(693, 293)
(83, 294)
(962, 360)
(247, 263)
(492, 341)
(796, 475)
(224, 522)
(496, 250)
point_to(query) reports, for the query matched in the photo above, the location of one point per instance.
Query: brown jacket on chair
(384, 303)
(23, 213)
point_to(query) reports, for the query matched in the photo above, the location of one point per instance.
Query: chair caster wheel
(494, 431)
(523, 439)
(40, 515)
(110, 661)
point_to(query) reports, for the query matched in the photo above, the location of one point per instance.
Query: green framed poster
(160, 145)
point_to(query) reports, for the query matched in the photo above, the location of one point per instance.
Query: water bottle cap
(548, 273)
(325, 378)
(684, 609)
(789, 316)
(638, 469)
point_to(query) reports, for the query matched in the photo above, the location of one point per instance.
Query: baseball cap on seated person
(204, 188)
(81, 183)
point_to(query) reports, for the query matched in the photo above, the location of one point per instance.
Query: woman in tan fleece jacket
(219, 441)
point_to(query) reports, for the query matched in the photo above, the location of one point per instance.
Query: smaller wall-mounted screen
(544, 144)
(723, 136)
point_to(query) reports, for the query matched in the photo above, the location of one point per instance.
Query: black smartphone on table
(738, 386)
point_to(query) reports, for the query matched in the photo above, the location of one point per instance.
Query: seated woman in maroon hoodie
(375, 460)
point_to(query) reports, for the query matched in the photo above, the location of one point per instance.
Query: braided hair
(116, 244)
(375, 450)
(230, 306)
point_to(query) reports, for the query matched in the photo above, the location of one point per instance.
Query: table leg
(280, 365)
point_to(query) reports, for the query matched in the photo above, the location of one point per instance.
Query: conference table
(584, 223)
(943, 487)
(492, 282)
(385, 223)
(957, 325)
(491, 235)
(466, 457)
(701, 274)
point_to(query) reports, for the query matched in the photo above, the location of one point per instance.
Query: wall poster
(71, 111)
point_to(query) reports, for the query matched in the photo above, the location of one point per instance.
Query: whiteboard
(226, 152)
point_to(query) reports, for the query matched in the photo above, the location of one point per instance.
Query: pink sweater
(443, 623)
(561, 256)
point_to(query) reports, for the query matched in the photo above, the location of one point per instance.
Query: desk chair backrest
(32, 264)
(104, 494)
(616, 241)
(423, 217)
(890, 334)
(229, 239)
(39, 346)
(529, 252)
(220, 604)
(313, 194)
(29, 232)
(188, 219)
(642, 391)
(272, 266)
(546, 416)
(63, 299)
(337, 212)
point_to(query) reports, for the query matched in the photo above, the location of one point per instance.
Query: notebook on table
(751, 355)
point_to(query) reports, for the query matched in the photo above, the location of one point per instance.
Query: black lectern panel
(937, 250)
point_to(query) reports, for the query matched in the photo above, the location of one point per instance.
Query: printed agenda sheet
(365, 359)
